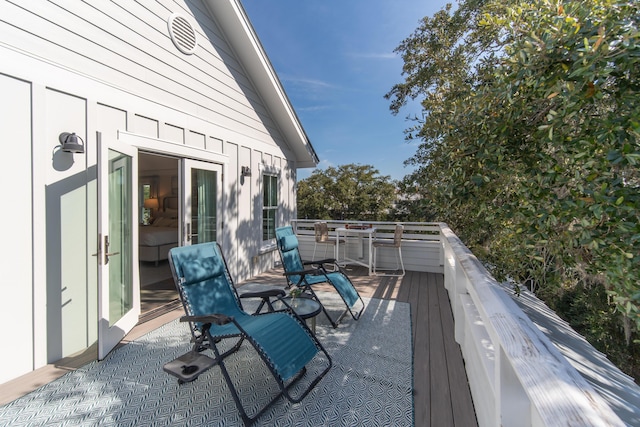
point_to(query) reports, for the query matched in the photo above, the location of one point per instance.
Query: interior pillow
(171, 213)
(168, 213)
(162, 222)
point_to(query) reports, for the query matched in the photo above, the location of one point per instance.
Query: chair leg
(336, 253)
(313, 257)
(334, 322)
(375, 251)
(311, 292)
(284, 388)
(399, 262)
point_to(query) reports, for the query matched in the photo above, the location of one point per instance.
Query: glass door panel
(119, 298)
(118, 246)
(202, 196)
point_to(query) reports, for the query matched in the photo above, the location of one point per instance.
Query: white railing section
(516, 375)
(421, 244)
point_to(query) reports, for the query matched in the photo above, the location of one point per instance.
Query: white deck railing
(421, 243)
(516, 375)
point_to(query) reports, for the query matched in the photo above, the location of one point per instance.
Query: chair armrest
(320, 261)
(302, 282)
(301, 272)
(264, 294)
(218, 319)
(320, 264)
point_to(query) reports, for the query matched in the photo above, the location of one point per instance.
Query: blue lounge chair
(305, 274)
(214, 311)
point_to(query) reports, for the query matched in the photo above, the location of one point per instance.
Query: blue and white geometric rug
(369, 384)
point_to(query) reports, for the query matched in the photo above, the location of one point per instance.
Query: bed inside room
(158, 231)
(156, 238)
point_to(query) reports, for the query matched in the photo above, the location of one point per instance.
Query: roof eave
(234, 22)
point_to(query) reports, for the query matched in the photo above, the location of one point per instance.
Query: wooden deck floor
(441, 392)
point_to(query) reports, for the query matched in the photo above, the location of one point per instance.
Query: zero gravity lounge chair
(280, 339)
(299, 274)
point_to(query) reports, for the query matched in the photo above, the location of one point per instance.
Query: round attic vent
(182, 34)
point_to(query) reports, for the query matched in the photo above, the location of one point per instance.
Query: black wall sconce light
(71, 143)
(245, 171)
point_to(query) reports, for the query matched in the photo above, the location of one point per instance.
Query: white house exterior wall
(16, 288)
(111, 68)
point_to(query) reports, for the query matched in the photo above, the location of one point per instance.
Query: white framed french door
(118, 286)
(201, 201)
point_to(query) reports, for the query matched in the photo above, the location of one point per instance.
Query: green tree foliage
(348, 192)
(409, 206)
(530, 140)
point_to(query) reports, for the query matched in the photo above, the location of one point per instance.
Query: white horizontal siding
(127, 45)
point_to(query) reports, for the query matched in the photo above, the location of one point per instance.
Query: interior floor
(157, 289)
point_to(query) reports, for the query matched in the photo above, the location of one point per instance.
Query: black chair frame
(202, 340)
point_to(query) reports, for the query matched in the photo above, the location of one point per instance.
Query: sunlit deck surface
(441, 392)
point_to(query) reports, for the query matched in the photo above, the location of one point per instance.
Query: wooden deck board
(462, 405)
(421, 350)
(441, 392)
(441, 405)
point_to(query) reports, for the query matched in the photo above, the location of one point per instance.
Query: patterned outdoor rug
(370, 383)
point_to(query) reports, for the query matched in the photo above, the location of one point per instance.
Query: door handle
(188, 232)
(107, 254)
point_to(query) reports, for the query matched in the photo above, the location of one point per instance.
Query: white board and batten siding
(119, 55)
(111, 67)
(16, 286)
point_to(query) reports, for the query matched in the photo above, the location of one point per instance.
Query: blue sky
(335, 60)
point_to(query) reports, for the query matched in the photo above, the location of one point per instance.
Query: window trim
(267, 243)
